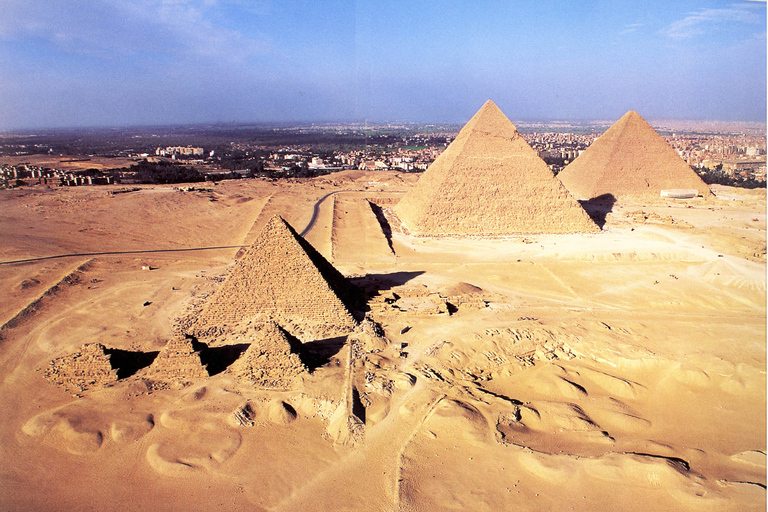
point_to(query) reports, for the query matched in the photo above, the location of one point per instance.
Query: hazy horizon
(104, 64)
(524, 124)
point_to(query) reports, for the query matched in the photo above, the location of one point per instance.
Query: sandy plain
(69, 163)
(624, 369)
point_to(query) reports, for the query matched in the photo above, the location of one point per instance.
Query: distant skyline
(75, 63)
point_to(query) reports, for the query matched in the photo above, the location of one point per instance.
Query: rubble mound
(460, 289)
(178, 362)
(282, 278)
(489, 181)
(629, 160)
(269, 361)
(368, 337)
(82, 370)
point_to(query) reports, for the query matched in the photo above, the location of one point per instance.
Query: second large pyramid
(629, 160)
(489, 181)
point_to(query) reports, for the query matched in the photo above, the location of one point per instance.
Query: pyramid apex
(490, 119)
(274, 225)
(489, 108)
(632, 115)
(276, 219)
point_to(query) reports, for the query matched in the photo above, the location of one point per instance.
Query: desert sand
(620, 369)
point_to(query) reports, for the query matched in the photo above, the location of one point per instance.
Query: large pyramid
(629, 160)
(489, 181)
(282, 278)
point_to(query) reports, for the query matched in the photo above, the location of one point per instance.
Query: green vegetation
(164, 172)
(719, 177)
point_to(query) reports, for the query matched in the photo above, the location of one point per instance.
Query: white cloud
(180, 30)
(704, 20)
(632, 27)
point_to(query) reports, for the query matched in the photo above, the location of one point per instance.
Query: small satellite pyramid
(178, 362)
(489, 181)
(282, 278)
(81, 370)
(629, 160)
(269, 362)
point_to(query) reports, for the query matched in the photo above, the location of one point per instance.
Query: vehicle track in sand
(316, 212)
(116, 253)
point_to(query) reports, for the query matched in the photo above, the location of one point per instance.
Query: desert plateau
(618, 368)
(264, 256)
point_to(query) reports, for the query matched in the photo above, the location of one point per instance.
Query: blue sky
(130, 62)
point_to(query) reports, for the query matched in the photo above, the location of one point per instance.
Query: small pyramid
(489, 181)
(629, 160)
(282, 278)
(269, 362)
(79, 371)
(178, 362)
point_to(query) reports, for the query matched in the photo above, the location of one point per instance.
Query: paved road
(109, 253)
(316, 211)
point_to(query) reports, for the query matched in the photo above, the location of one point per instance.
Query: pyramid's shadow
(384, 223)
(218, 359)
(599, 207)
(127, 363)
(375, 283)
(315, 354)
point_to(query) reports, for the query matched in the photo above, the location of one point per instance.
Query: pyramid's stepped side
(81, 370)
(268, 362)
(489, 181)
(629, 160)
(282, 278)
(177, 362)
